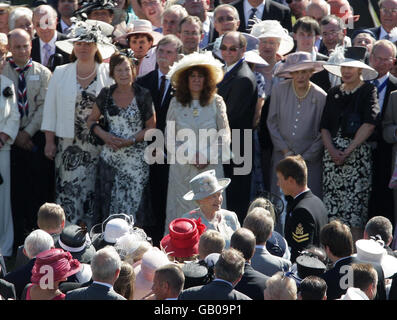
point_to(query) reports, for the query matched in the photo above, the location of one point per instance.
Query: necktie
(47, 54)
(386, 37)
(251, 22)
(22, 96)
(162, 88)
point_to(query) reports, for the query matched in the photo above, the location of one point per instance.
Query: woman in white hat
(207, 193)
(195, 107)
(274, 42)
(72, 92)
(349, 118)
(296, 106)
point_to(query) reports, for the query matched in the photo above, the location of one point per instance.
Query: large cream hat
(205, 59)
(273, 29)
(350, 57)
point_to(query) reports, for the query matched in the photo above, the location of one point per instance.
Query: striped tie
(22, 96)
(251, 21)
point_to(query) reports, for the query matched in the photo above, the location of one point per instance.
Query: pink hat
(61, 263)
(184, 236)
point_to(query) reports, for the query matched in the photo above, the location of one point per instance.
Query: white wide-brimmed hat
(196, 59)
(205, 184)
(273, 29)
(252, 56)
(297, 61)
(350, 57)
(82, 31)
(143, 26)
(372, 251)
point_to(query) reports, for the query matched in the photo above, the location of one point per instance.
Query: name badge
(34, 77)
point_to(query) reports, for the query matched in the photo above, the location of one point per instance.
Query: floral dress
(76, 162)
(122, 175)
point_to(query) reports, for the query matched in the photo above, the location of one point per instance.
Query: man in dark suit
(105, 266)
(228, 271)
(7, 290)
(66, 8)
(44, 50)
(168, 50)
(239, 81)
(306, 213)
(388, 19)
(37, 241)
(263, 10)
(338, 244)
(382, 58)
(252, 283)
(365, 9)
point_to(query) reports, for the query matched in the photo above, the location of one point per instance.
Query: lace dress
(76, 162)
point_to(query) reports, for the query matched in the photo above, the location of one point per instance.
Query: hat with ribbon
(205, 184)
(183, 238)
(61, 263)
(76, 240)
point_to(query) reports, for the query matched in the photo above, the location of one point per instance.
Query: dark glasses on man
(231, 49)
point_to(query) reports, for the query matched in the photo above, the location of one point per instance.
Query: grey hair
(44, 9)
(322, 4)
(177, 9)
(37, 241)
(170, 38)
(105, 263)
(224, 6)
(18, 13)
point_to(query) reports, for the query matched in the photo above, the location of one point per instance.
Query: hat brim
(217, 73)
(286, 42)
(84, 256)
(142, 285)
(252, 56)
(368, 73)
(106, 28)
(222, 182)
(317, 66)
(106, 50)
(166, 245)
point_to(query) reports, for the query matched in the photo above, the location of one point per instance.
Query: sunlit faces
(24, 23)
(166, 55)
(85, 51)
(20, 46)
(153, 9)
(381, 59)
(332, 34)
(351, 76)
(45, 26)
(140, 44)
(122, 73)
(211, 203)
(225, 20)
(301, 78)
(315, 12)
(231, 49)
(196, 7)
(196, 83)
(283, 183)
(103, 15)
(268, 47)
(170, 23)
(388, 14)
(190, 36)
(363, 40)
(305, 40)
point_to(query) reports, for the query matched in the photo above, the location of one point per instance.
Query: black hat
(196, 274)
(309, 265)
(367, 31)
(88, 6)
(77, 241)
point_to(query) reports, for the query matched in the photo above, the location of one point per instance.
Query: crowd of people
(198, 149)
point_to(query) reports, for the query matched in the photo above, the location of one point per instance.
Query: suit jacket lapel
(36, 50)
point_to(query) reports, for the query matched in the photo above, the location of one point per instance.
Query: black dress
(346, 188)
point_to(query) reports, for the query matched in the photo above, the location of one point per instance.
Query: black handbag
(351, 121)
(102, 123)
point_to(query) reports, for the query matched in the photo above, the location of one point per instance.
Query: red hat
(183, 239)
(61, 263)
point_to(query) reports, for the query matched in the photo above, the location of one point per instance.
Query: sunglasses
(231, 49)
(225, 19)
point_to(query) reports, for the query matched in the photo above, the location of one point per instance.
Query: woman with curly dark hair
(195, 111)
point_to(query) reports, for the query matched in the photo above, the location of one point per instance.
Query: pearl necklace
(306, 93)
(89, 76)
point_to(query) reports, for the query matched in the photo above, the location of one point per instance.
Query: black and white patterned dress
(347, 187)
(122, 175)
(76, 162)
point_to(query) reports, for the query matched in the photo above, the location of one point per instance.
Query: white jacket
(9, 114)
(60, 101)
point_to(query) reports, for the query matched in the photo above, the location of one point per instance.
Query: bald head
(20, 46)
(318, 9)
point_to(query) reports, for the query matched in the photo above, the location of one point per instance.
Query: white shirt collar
(381, 79)
(228, 68)
(301, 193)
(64, 26)
(382, 33)
(51, 42)
(104, 284)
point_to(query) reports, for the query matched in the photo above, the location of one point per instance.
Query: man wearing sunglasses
(239, 91)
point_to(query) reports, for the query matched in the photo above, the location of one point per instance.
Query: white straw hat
(273, 29)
